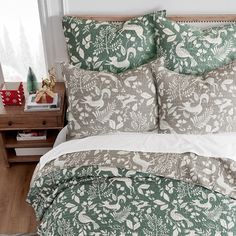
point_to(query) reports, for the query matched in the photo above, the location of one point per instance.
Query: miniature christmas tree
(32, 85)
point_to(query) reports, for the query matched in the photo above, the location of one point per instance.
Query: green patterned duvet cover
(135, 193)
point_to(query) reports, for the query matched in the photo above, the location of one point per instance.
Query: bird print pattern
(218, 174)
(111, 46)
(123, 102)
(184, 196)
(191, 50)
(190, 104)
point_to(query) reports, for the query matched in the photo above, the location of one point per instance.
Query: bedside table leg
(3, 152)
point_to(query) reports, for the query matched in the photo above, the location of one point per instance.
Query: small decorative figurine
(51, 81)
(46, 94)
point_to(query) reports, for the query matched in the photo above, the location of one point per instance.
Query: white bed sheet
(211, 145)
(61, 137)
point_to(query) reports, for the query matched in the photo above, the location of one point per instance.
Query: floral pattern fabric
(81, 194)
(191, 104)
(190, 50)
(111, 46)
(102, 102)
(217, 174)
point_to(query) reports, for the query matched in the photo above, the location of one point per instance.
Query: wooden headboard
(201, 20)
(180, 18)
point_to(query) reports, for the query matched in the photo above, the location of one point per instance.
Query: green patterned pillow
(110, 46)
(190, 50)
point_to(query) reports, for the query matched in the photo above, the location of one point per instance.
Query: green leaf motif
(110, 46)
(191, 50)
(95, 199)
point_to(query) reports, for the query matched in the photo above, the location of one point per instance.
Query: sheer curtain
(21, 40)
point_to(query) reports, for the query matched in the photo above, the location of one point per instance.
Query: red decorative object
(45, 98)
(44, 95)
(12, 93)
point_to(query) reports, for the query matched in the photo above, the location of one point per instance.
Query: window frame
(54, 44)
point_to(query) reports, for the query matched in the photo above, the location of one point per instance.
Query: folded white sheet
(211, 145)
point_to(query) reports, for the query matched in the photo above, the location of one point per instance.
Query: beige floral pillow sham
(191, 104)
(103, 102)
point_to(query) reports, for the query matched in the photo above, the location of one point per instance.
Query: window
(21, 40)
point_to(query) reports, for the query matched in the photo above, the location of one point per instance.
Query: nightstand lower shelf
(13, 158)
(11, 141)
(17, 159)
(8, 144)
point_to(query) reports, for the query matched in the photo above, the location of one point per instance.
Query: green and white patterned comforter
(112, 192)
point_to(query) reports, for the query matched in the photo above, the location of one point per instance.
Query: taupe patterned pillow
(102, 102)
(196, 104)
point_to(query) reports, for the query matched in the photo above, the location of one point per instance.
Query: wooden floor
(16, 216)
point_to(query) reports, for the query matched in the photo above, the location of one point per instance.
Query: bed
(138, 183)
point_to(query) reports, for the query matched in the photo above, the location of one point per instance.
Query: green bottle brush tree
(32, 85)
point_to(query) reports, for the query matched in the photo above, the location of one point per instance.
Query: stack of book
(31, 105)
(27, 135)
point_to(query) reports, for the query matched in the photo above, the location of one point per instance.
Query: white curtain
(1, 76)
(51, 13)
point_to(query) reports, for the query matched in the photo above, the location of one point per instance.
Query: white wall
(127, 7)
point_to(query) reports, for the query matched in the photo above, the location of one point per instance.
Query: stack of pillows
(149, 73)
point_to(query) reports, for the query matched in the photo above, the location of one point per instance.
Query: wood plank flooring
(16, 216)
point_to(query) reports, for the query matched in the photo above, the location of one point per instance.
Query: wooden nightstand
(13, 118)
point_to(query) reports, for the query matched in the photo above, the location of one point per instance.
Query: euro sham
(111, 46)
(102, 102)
(191, 104)
(191, 50)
